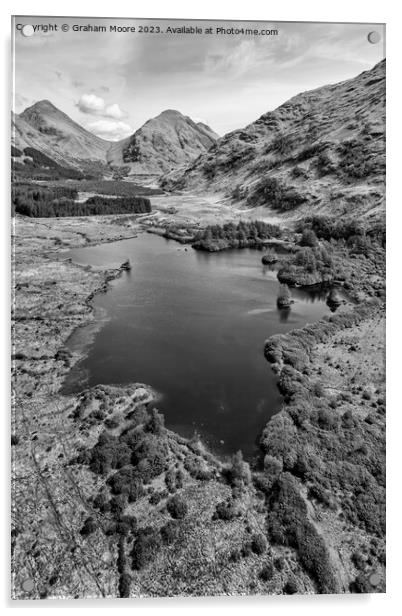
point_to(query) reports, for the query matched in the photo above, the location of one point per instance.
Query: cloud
(113, 130)
(90, 103)
(114, 111)
(95, 105)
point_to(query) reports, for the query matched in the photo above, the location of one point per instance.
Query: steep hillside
(163, 143)
(60, 133)
(25, 136)
(323, 148)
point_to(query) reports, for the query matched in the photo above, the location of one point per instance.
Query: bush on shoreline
(244, 234)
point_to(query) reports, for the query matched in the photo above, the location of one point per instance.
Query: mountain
(53, 132)
(160, 145)
(323, 148)
(163, 143)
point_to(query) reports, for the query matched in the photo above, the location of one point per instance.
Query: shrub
(145, 548)
(361, 584)
(169, 531)
(282, 144)
(358, 560)
(259, 543)
(279, 439)
(179, 479)
(308, 238)
(101, 502)
(289, 525)
(290, 588)
(151, 456)
(324, 164)
(118, 504)
(310, 151)
(124, 585)
(246, 549)
(177, 507)
(88, 527)
(156, 497)
(267, 572)
(196, 468)
(279, 563)
(226, 510)
(170, 480)
(111, 423)
(239, 472)
(298, 172)
(125, 525)
(328, 420)
(269, 191)
(354, 161)
(156, 423)
(320, 494)
(126, 481)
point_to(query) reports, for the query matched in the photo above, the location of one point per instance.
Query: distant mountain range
(323, 148)
(162, 144)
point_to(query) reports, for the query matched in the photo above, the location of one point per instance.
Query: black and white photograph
(198, 308)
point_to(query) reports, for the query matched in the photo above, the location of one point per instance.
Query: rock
(269, 258)
(126, 265)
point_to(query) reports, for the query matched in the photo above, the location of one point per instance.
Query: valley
(118, 489)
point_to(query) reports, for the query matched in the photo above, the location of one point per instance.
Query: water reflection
(192, 325)
(284, 314)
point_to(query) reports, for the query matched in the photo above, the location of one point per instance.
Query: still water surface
(192, 325)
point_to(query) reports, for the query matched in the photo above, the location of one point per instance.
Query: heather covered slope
(322, 149)
(163, 143)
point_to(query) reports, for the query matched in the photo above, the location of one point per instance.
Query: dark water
(193, 326)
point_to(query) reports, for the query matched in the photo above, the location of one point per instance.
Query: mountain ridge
(160, 145)
(321, 148)
(166, 141)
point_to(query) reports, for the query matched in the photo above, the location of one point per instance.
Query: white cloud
(114, 111)
(96, 105)
(113, 130)
(90, 103)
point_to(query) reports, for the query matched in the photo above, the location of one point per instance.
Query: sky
(113, 82)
